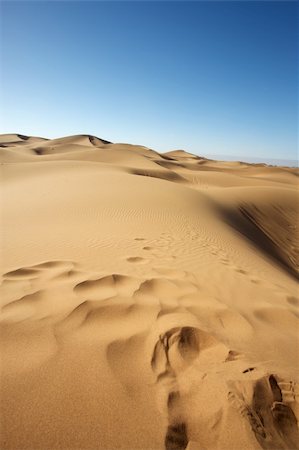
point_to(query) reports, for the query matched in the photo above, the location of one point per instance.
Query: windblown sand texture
(149, 301)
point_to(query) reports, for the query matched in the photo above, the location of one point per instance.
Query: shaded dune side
(70, 144)
(11, 140)
(153, 173)
(270, 226)
(279, 231)
(7, 140)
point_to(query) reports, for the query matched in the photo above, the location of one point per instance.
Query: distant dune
(149, 301)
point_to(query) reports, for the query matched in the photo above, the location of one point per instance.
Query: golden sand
(149, 301)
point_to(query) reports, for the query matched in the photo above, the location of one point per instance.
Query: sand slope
(148, 300)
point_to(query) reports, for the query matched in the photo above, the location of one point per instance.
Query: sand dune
(148, 300)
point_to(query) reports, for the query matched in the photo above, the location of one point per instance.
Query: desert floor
(149, 301)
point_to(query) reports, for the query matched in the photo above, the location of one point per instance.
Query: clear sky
(207, 77)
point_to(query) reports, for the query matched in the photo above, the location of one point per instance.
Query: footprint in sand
(137, 260)
(22, 274)
(25, 290)
(293, 300)
(22, 308)
(176, 350)
(106, 287)
(38, 270)
(267, 408)
(185, 342)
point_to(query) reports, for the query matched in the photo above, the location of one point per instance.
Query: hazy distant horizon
(257, 160)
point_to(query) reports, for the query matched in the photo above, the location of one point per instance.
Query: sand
(149, 301)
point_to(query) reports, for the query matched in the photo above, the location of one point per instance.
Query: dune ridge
(148, 301)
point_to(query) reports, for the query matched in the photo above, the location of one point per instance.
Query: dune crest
(148, 301)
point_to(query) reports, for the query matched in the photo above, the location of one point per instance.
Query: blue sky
(207, 77)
